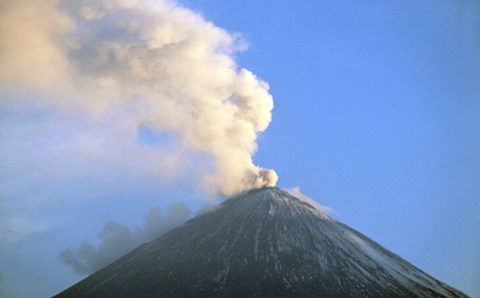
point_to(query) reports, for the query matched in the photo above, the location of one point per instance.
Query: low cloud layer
(121, 65)
(117, 240)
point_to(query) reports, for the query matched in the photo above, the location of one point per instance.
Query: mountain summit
(264, 242)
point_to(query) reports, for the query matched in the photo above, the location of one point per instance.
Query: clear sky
(376, 115)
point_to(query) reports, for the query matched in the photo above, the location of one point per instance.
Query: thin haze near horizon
(376, 115)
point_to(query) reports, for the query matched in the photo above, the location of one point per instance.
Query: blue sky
(376, 115)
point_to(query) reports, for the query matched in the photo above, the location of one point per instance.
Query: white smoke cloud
(117, 239)
(295, 191)
(123, 64)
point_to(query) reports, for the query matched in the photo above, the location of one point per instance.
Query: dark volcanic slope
(262, 243)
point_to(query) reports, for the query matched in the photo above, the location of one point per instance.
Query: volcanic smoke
(151, 64)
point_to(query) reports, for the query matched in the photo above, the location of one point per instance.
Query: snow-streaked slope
(264, 242)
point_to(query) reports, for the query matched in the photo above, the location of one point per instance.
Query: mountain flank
(261, 243)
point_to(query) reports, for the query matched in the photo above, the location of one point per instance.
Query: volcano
(261, 243)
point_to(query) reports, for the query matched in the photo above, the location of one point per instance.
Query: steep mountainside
(263, 243)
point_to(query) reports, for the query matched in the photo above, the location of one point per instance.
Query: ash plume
(117, 240)
(142, 63)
